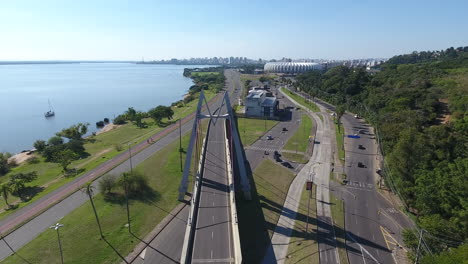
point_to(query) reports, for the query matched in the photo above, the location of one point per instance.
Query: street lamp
(56, 227)
(130, 152)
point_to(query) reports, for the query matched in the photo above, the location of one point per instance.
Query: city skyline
(120, 30)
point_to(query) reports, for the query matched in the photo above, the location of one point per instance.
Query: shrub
(107, 183)
(106, 120)
(55, 141)
(40, 145)
(118, 147)
(33, 160)
(119, 120)
(136, 182)
(99, 123)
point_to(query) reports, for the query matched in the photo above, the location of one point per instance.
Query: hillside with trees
(418, 104)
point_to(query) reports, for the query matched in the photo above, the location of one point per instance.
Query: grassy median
(299, 141)
(251, 129)
(339, 129)
(301, 100)
(303, 246)
(258, 217)
(80, 237)
(337, 210)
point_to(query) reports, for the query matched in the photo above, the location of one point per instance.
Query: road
(167, 246)
(373, 225)
(40, 223)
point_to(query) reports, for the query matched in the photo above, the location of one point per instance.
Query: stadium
(291, 67)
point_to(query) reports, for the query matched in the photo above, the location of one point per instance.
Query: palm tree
(5, 190)
(89, 190)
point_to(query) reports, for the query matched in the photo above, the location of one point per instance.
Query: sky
(153, 29)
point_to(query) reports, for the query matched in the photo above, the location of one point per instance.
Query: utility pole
(130, 153)
(419, 246)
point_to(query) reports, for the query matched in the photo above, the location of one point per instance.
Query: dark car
(287, 165)
(285, 129)
(360, 165)
(361, 147)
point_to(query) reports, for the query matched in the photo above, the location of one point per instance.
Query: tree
(18, 182)
(135, 182)
(340, 110)
(65, 157)
(130, 113)
(5, 191)
(55, 141)
(106, 184)
(75, 131)
(157, 113)
(40, 145)
(119, 120)
(4, 165)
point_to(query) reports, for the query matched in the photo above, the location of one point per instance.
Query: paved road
(167, 246)
(366, 211)
(37, 225)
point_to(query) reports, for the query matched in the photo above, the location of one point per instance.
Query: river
(84, 92)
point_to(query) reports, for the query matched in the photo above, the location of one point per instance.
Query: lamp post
(56, 227)
(180, 144)
(130, 152)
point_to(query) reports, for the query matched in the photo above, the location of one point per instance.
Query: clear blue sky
(130, 30)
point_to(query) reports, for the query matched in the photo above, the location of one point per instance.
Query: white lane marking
(211, 234)
(362, 248)
(211, 253)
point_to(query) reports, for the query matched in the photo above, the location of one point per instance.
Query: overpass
(212, 234)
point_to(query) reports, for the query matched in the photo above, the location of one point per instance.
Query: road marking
(211, 234)
(362, 248)
(211, 253)
(389, 240)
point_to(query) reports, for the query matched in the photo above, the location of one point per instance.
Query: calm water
(78, 93)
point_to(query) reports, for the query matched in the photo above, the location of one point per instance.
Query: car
(360, 165)
(362, 131)
(378, 171)
(356, 116)
(333, 114)
(361, 147)
(276, 154)
(269, 137)
(287, 165)
(285, 129)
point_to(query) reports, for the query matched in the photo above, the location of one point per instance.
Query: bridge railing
(232, 199)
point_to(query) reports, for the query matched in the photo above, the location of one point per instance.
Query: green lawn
(337, 210)
(80, 237)
(300, 140)
(250, 129)
(258, 217)
(204, 73)
(339, 141)
(100, 147)
(301, 100)
(298, 158)
(303, 246)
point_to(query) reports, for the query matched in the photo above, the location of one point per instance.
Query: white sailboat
(50, 112)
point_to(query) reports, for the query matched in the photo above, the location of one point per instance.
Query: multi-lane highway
(213, 235)
(373, 225)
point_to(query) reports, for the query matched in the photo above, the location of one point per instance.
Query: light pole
(130, 153)
(180, 143)
(56, 227)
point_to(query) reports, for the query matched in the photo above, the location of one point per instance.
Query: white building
(291, 67)
(261, 103)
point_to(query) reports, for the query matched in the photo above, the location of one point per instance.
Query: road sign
(309, 186)
(354, 136)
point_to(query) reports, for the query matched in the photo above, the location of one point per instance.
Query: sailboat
(50, 112)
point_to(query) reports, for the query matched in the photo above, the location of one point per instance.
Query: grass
(204, 73)
(258, 217)
(80, 237)
(101, 149)
(301, 136)
(339, 141)
(250, 129)
(337, 210)
(303, 246)
(301, 100)
(298, 158)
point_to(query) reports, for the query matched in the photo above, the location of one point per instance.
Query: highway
(373, 225)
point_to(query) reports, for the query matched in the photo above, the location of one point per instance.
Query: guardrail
(192, 218)
(232, 200)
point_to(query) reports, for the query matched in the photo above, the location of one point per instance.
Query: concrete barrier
(192, 217)
(232, 201)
